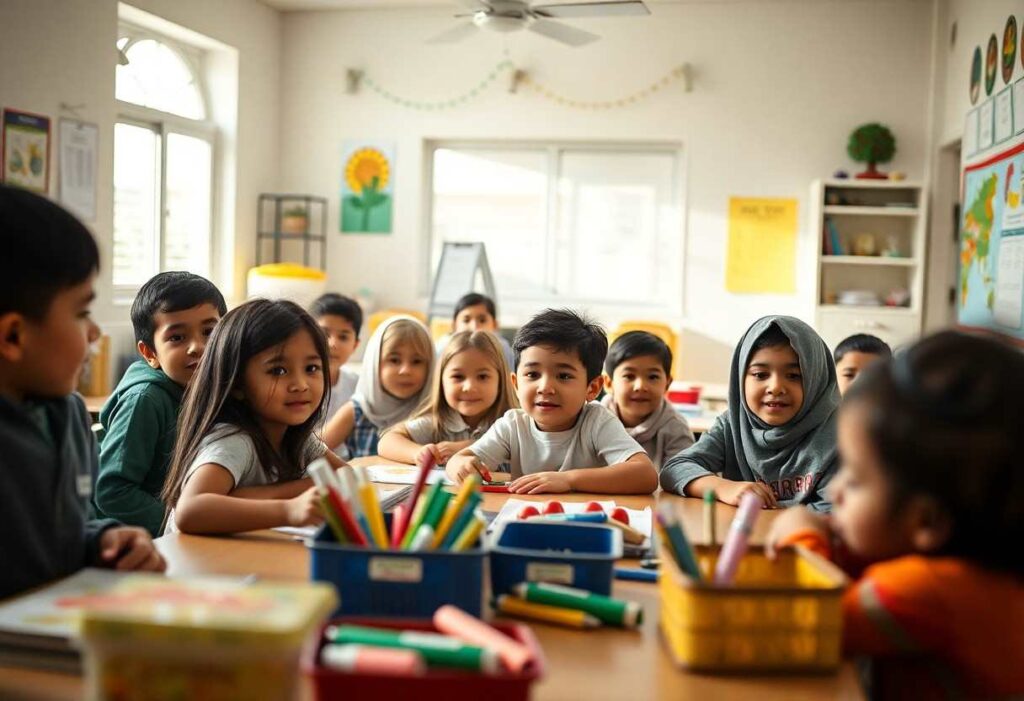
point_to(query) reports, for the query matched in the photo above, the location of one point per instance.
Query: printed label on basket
(396, 569)
(549, 572)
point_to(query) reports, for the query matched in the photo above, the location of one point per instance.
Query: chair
(377, 318)
(658, 328)
(440, 327)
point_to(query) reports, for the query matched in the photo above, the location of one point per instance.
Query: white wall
(778, 88)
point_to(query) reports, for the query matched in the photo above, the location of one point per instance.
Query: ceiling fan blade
(562, 32)
(593, 9)
(456, 33)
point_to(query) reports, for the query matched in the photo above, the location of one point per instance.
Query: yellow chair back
(377, 318)
(658, 328)
(439, 327)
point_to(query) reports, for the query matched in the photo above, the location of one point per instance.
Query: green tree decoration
(871, 143)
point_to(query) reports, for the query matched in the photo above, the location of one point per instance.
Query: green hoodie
(140, 420)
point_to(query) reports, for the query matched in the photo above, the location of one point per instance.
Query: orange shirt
(936, 627)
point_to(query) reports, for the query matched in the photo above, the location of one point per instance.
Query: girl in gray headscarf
(778, 436)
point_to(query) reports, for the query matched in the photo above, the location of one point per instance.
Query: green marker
(462, 520)
(437, 650)
(432, 496)
(626, 614)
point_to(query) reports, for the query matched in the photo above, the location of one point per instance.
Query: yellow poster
(761, 255)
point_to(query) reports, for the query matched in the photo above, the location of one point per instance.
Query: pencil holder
(397, 583)
(575, 554)
(781, 615)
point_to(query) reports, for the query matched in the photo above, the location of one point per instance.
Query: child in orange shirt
(931, 492)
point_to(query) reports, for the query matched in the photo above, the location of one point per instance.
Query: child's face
(851, 365)
(342, 340)
(284, 384)
(179, 339)
(773, 386)
(403, 370)
(552, 387)
(470, 384)
(638, 386)
(475, 318)
(48, 355)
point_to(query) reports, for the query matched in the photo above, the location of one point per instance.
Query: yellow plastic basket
(778, 616)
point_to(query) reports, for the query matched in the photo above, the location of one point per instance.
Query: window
(163, 162)
(596, 226)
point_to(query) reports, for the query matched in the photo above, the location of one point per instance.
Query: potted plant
(294, 220)
(871, 144)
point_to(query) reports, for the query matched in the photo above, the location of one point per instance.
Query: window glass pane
(136, 203)
(499, 198)
(187, 229)
(156, 76)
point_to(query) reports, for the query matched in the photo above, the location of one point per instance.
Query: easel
(456, 275)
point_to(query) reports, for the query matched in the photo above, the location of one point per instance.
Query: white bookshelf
(894, 214)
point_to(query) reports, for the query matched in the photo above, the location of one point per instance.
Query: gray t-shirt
(341, 392)
(598, 439)
(421, 430)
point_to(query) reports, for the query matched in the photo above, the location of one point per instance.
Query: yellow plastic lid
(293, 270)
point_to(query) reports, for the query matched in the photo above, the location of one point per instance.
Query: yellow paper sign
(761, 256)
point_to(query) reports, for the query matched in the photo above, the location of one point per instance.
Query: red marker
(500, 488)
(427, 462)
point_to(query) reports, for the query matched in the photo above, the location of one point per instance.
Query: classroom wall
(778, 87)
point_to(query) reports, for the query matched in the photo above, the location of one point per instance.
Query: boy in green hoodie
(173, 317)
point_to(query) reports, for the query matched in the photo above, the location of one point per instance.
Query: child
(392, 383)
(854, 354)
(471, 389)
(341, 318)
(638, 372)
(47, 450)
(476, 312)
(931, 492)
(246, 432)
(560, 441)
(777, 437)
(173, 316)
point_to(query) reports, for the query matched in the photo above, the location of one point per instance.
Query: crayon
(453, 621)
(571, 618)
(735, 545)
(368, 659)
(437, 650)
(626, 614)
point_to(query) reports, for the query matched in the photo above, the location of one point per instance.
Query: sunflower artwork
(366, 188)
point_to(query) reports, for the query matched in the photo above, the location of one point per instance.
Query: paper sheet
(761, 254)
(402, 474)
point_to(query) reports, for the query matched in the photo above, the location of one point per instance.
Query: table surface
(606, 663)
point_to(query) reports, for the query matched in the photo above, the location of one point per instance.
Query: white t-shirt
(341, 392)
(597, 439)
(421, 430)
(234, 450)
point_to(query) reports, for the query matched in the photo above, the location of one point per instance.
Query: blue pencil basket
(397, 583)
(575, 554)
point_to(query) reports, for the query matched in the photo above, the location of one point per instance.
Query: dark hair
(862, 343)
(773, 337)
(471, 300)
(633, 344)
(565, 330)
(944, 417)
(243, 333)
(338, 305)
(45, 250)
(173, 291)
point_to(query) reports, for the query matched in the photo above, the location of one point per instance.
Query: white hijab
(381, 408)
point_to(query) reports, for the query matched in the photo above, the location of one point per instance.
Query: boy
(854, 354)
(47, 451)
(173, 316)
(341, 318)
(476, 312)
(560, 441)
(637, 376)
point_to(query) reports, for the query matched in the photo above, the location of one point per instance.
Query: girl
(931, 491)
(245, 434)
(778, 436)
(471, 389)
(392, 383)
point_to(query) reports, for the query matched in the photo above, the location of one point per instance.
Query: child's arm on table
(396, 444)
(636, 475)
(287, 490)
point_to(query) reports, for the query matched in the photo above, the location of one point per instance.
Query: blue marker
(637, 575)
(584, 517)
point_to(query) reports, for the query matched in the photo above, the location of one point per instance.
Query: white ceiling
(290, 5)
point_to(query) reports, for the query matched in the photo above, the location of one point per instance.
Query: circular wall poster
(1009, 48)
(991, 59)
(976, 75)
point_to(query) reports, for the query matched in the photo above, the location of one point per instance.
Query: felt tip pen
(582, 517)
(470, 534)
(453, 621)
(462, 520)
(678, 544)
(636, 575)
(424, 538)
(422, 509)
(437, 650)
(571, 618)
(458, 504)
(495, 488)
(736, 540)
(710, 500)
(616, 612)
(368, 659)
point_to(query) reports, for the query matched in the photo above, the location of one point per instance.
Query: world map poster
(990, 293)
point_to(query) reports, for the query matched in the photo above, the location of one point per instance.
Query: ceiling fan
(514, 15)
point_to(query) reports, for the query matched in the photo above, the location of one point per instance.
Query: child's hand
(444, 450)
(729, 492)
(791, 521)
(541, 483)
(462, 466)
(130, 548)
(304, 510)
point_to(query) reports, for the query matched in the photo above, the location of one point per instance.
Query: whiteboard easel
(456, 276)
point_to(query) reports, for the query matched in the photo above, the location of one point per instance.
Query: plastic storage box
(436, 684)
(575, 554)
(397, 583)
(154, 639)
(777, 616)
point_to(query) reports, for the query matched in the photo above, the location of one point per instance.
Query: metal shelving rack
(271, 207)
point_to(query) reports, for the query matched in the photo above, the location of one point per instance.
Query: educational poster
(1004, 116)
(986, 124)
(1018, 107)
(77, 172)
(26, 150)
(761, 254)
(367, 187)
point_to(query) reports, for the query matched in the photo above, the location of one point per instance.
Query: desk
(595, 665)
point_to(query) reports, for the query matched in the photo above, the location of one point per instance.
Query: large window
(163, 162)
(597, 226)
